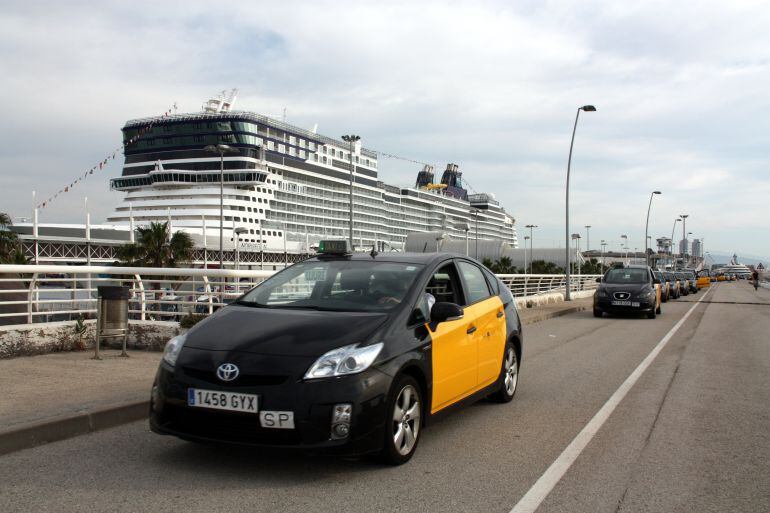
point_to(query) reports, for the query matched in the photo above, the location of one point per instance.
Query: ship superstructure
(285, 188)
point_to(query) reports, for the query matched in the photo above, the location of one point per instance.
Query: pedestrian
(755, 278)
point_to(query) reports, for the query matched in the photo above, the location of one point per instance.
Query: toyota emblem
(227, 371)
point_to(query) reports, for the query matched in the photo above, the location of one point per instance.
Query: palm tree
(155, 248)
(10, 249)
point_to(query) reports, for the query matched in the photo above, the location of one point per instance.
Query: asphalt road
(691, 435)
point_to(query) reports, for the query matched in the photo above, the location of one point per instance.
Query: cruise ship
(285, 187)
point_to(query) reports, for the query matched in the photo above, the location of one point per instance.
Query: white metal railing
(523, 285)
(44, 293)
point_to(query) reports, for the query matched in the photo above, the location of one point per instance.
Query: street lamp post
(646, 226)
(351, 139)
(673, 262)
(588, 238)
(625, 247)
(603, 246)
(238, 231)
(476, 215)
(221, 149)
(531, 240)
(526, 238)
(586, 108)
(684, 237)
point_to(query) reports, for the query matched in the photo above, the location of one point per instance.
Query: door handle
(499, 314)
(470, 330)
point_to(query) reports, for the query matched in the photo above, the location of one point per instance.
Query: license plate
(625, 303)
(276, 419)
(216, 400)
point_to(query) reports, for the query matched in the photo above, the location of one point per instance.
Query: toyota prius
(354, 353)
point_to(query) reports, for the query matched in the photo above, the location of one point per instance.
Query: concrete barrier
(52, 337)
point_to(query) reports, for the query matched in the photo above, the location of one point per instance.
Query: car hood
(286, 332)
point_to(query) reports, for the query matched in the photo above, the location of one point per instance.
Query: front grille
(243, 380)
(229, 426)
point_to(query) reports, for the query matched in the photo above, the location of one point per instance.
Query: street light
(588, 238)
(673, 262)
(238, 231)
(476, 213)
(684, 237)
(526, 238)
(221, 149)
(531, 239)
(603, 246)
(646, 226)
(625, 246)
(576, 238)
(586, 108)
(351, 139)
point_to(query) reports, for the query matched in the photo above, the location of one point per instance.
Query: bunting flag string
(103, 163)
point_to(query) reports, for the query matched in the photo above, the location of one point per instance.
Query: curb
(45, 431)
(550, 315)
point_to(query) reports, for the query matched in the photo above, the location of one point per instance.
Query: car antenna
(373, 253)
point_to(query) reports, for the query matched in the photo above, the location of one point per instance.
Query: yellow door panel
(455, 358)
(492, 341)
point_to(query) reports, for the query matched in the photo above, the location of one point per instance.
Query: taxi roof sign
(334, 247)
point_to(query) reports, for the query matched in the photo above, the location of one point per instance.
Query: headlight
(344, 360)
(173, 347)
(601, 292)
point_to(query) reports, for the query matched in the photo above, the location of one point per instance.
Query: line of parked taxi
(641, 289)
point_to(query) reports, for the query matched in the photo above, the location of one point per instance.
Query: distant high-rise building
(697, 248)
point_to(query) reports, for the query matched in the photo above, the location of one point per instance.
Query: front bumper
(605, 305)
(310, 401)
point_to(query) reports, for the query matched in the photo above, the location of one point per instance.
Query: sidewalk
(56, 396)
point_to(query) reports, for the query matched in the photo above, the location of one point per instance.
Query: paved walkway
(43, 395)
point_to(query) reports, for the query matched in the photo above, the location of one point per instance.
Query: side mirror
(598, 280)
(442, 312)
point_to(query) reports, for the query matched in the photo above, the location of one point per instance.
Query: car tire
(403, 421)
(651, 314)
(509, 376)
(597, 312)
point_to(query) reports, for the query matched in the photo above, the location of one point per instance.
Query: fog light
(341, 414)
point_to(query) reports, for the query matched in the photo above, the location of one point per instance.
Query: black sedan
(354, 353)
(628, 289)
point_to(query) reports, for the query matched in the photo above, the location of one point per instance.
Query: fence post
(30, 293)
(207, 289)
(143, 308)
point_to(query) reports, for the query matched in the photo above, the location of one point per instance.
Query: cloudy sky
(681, 90)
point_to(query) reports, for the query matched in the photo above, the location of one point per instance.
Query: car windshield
(626, 276)
(336, 285)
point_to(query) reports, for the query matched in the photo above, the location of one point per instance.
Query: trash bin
(112, 315)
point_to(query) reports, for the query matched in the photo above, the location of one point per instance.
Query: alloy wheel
(406, 420)
(511, 370)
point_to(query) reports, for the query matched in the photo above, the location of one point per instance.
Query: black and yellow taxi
(348, 352)
(665, 286)
(674, 284)
(628, 289)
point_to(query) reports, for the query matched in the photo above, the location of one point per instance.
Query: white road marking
(551, 477)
